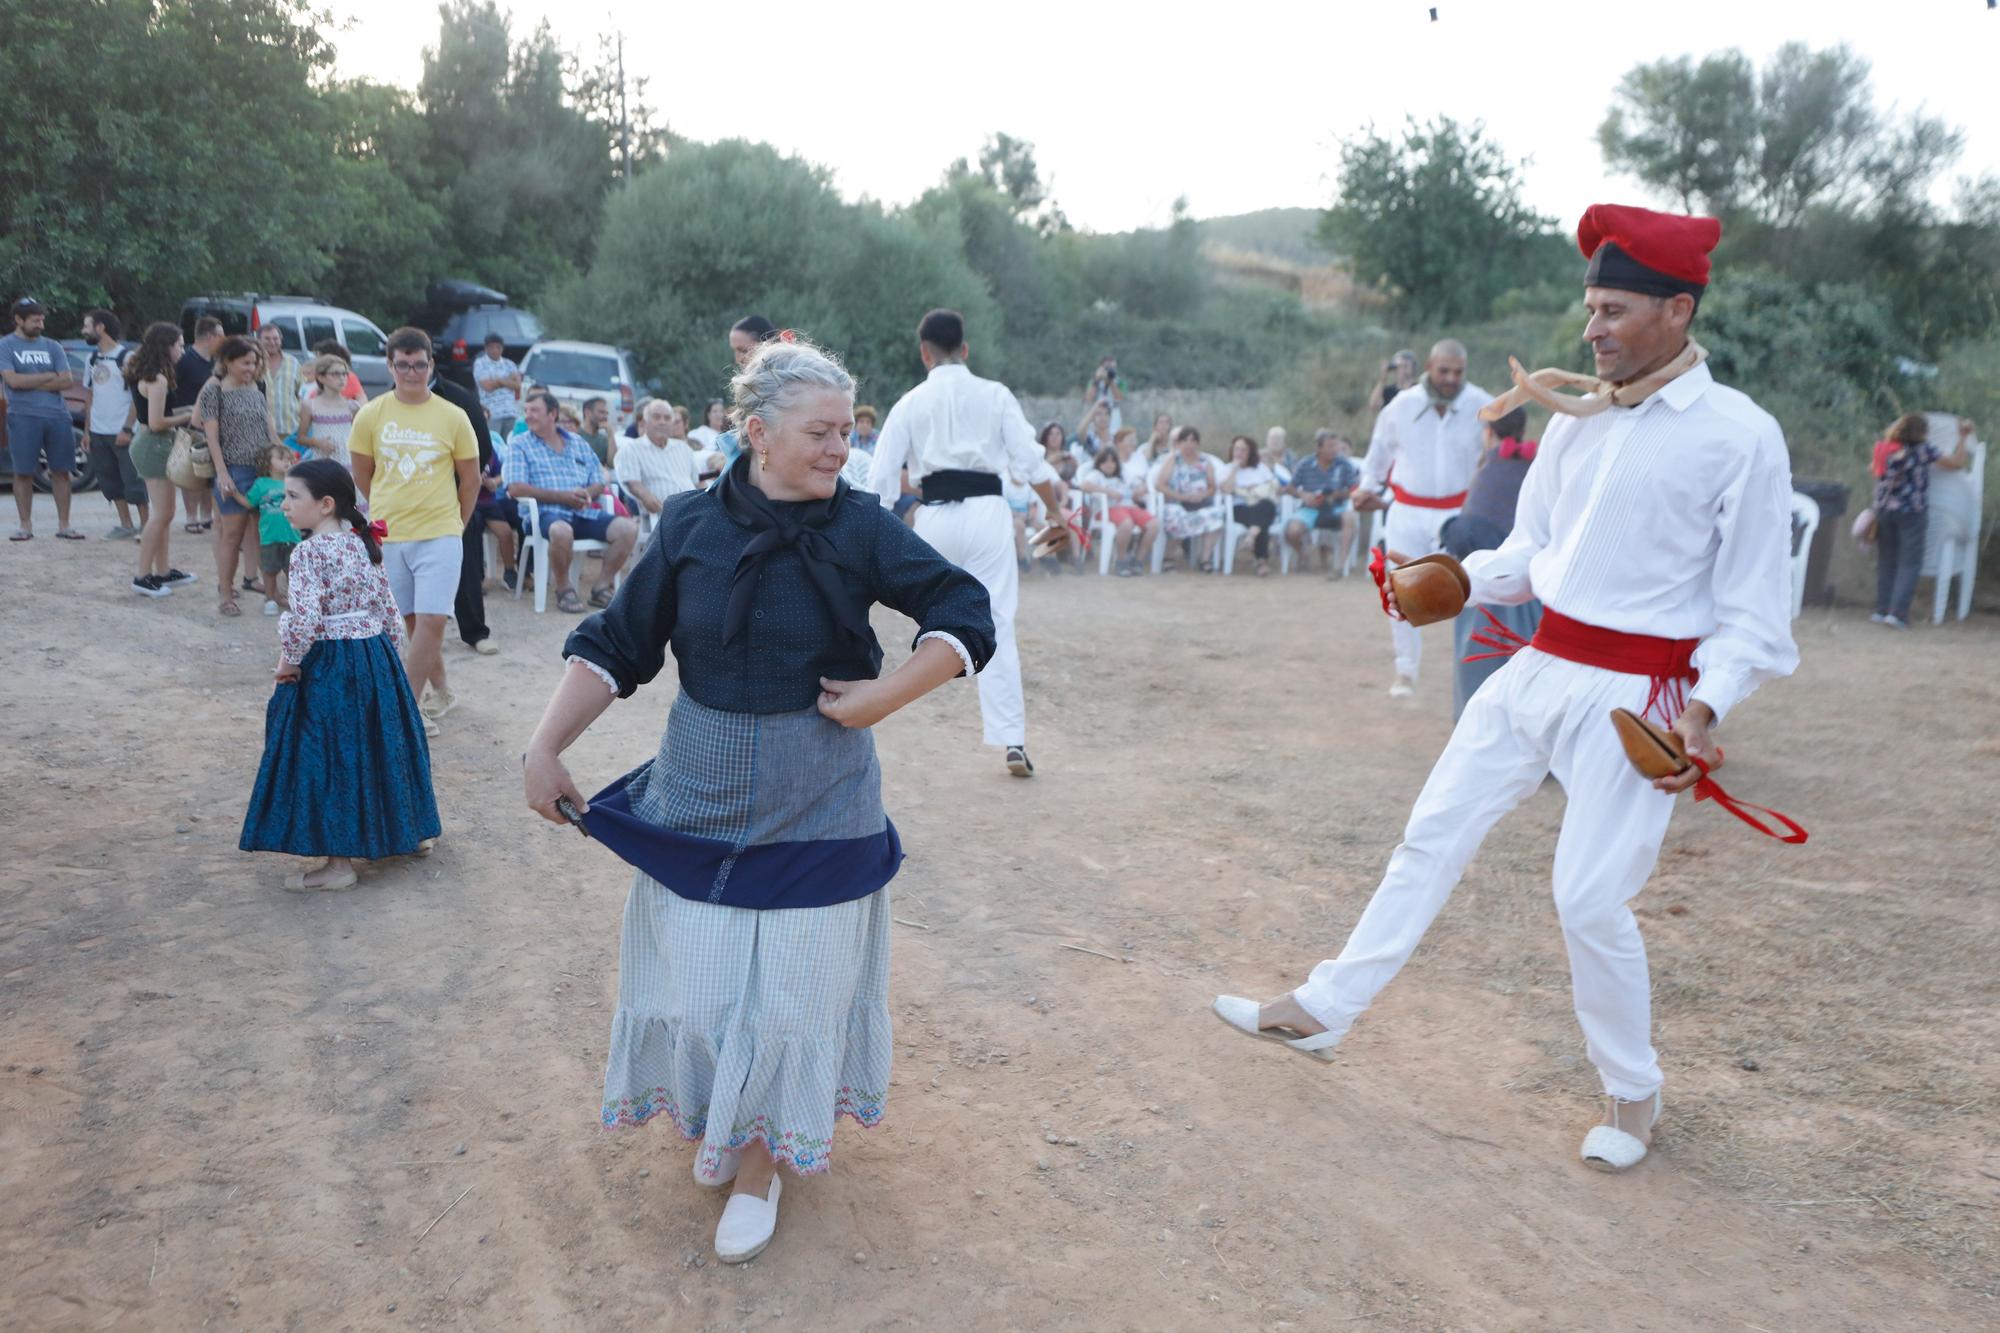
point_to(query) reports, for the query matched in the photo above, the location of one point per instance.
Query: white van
(576, 372)
(302, 321)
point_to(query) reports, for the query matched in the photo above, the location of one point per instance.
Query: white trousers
(1537, 715)
(1412, 532)
(977, 535)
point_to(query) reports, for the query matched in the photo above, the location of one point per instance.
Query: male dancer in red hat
(1655, 527)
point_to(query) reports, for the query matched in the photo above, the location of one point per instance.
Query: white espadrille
(1608, 1148)
(747, 1225)
(1243, 1015)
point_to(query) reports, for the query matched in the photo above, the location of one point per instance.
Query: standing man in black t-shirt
(193, 370)
(469, 607)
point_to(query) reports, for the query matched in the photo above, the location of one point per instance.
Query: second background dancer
(961, 437)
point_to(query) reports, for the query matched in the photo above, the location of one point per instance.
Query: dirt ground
(228, 1106)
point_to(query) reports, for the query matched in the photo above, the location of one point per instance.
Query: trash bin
(1831, 497)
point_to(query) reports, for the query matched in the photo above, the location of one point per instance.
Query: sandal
(567, 600)
(600, 597)
(70, 535)
(191, 528)
(228, 607)
(22, 537)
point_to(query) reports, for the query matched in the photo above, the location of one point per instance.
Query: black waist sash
(957, 484)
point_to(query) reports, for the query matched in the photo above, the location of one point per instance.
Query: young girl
(276, 537)
(327, 416)
(346, 771)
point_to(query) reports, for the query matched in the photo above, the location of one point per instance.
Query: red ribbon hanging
(1708, 789)
(379, 531)
(1521, 449)
(1378, 569)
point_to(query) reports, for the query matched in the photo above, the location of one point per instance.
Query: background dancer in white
(1655, 526)
(961, 436)
(1425, 447)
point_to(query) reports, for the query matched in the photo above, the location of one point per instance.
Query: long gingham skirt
(742, 1025)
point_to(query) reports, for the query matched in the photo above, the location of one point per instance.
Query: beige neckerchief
(1541, 387)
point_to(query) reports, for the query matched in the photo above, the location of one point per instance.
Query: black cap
(28, 305)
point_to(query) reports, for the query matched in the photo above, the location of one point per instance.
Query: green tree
(1007, 165)
(158, 147)
(1436, 216)
(720, 230)
(1687, 130)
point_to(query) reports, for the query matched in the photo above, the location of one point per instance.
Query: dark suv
(460, 315)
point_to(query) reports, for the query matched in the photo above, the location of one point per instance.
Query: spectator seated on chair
(1190, 510)
(1253, 489)
(1134, 531)
(1324, 483)
(557, 470)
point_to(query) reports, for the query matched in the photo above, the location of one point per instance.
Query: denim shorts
(592, 527)
(30, 438)
(244, 477)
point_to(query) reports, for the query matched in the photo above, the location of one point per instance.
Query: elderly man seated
(557, 470)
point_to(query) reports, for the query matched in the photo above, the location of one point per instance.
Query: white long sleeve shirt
(955, 421)
(1671, 519)
(1432, 455)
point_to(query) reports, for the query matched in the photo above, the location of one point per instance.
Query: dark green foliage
(1435, 217)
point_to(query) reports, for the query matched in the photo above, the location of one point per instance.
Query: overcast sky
(1238, 108)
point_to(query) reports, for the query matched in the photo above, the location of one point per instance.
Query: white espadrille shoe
(747, 1225)
(1243, 1015)
(725, 1170)
(1609, 1148)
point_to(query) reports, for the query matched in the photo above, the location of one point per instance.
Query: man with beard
(1654, 525)
(1425, 446)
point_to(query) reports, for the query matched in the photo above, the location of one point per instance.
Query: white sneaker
(270, 607)
(747, 1225)
(486, 647)
(436, 703)
(1608, 1148)
(1895, 622)
(1404, 688)
(1878, 619)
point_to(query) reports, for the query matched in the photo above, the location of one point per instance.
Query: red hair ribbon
(379, 531)
(1521, 449)
(787, 336)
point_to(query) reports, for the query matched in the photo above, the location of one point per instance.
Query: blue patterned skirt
(742, 1018)
(346, 769)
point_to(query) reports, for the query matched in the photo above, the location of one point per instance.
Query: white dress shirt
(955, 421)
(1433, 455)
(1671, 519)
(665, 470)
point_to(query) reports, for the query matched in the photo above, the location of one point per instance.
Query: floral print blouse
(337, 593)
(1905, 487)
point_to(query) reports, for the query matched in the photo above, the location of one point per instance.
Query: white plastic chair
(1805, 522)
(535, 542)
(1951, 541)
(1376, 534)
(1100, 527)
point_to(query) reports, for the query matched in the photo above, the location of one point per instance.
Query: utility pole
(624, 121)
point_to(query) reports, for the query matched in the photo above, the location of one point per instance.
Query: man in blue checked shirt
(558, 471)
(1324, 481)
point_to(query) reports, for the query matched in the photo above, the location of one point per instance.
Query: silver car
(302, 321)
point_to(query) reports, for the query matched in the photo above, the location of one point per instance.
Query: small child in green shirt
(275, 534)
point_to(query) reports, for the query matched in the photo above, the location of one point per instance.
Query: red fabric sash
(1428, 501)
(1666, 663)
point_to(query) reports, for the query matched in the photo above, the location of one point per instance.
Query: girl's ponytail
(353, 515)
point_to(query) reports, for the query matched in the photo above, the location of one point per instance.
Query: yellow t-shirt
(415, 488)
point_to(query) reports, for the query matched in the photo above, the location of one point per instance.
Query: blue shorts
(245, 477)
(29, 439)
(594, 527)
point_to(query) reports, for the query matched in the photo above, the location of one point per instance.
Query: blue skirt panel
(756, 810)
(346, 768)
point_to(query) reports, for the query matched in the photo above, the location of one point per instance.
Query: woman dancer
(754, 963)
(346, 772)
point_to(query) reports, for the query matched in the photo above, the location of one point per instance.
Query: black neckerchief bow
(776, 527)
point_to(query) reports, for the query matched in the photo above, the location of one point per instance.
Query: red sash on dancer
(1666, 663)
(1428, 501)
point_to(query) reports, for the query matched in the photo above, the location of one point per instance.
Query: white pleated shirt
(955, 421)
(1432, 455)
(1671, 519)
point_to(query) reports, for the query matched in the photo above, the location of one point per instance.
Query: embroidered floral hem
(805, 1153)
